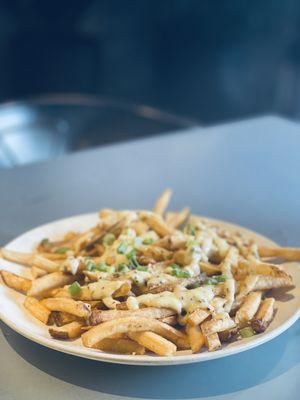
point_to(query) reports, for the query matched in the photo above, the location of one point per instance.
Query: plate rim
(144, 360)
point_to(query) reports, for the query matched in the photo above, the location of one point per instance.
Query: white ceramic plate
(14, 315)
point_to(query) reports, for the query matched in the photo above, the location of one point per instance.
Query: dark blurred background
(206, 60)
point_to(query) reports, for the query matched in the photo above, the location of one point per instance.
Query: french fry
(175, 220)
(37, 272)
(15, 281)
(66, 332)
(156, 253)
(62, 318)
(197, 317)
(154, 342)
(172, 320)
(264, 315)
(162, 202)
(134, 324)
(155, 222)
(70, 306)
(286, 253)
(196, 337)
(123, 346)
(171, 242)
(16, 256)
(248, 309)
(38, 310)
(48, 282)
(273, 282)
(219, 323)
(99, 316)
(45, 264)
(212, 342)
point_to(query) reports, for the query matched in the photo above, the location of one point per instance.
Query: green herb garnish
(44, 242)
(90, 266)
(246, 332)
(148, 241)
(62, 250)
(178, 272)
(108, 239)
(190, 230)
(111, 269)
(122, 248)
(122, 268)
(142, 268)
(74, 289)
(215, 279)
(102, 267)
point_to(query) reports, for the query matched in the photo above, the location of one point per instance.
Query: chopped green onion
(246, 332)
(122, 248)
(190, 230)
(141, 268)
(74, 289)
(111, 269)
(178, 272)
(90, 266)
(122, 268)
(131, 254)
(44, 242)
(192, 243)
(148, 241)
(102, 267)
(215, 279)
(62, 250)
(108, 239)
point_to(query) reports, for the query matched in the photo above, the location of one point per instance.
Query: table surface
(245, 172)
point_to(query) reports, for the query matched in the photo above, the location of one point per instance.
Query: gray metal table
(247, 173)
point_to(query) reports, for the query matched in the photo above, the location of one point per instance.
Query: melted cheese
(180, 299)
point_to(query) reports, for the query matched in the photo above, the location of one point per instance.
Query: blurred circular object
(47, 126)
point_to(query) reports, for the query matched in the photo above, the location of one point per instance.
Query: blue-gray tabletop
(245, 172)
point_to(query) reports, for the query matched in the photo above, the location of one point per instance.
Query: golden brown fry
(121, 345)
(17, 256)
(70, 306)
(286, 253)
(172, 320)
(264, 315)
(153, 342)
(38, 310)
(62, 318)
(162, 202)
(48, 282)
(273, 282)
(15, 281)
(172, 242)
(210, 269)
(248, 309)
(197, 317)
(212, 342)
(45, 264)
(99, 316)
(156, 253)
(155, 222)
(175, 220)
(133, 324)
(219, 323)
(66, 332)
(196, 337)
(37, 272)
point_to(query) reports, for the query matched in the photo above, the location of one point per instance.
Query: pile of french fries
(151, 281)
